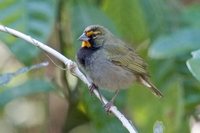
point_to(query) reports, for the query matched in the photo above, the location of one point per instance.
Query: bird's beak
(83, 37)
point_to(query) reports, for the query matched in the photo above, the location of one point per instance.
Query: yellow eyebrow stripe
(90, 33)
(97, 32)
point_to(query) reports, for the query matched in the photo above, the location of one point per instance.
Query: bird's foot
(93, 87)
(107, 106)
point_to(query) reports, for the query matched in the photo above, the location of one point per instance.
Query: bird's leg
(108, 105)
(95, 87)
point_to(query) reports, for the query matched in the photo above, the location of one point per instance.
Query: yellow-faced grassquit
(110, 63)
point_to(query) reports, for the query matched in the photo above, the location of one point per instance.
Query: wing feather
(126, 57)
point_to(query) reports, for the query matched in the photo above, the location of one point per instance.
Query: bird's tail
(145, 81)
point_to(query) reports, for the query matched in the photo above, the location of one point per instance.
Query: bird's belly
(109, 76)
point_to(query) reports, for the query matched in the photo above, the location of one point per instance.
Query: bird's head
(94, 36)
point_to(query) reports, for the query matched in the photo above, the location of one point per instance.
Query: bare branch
(72, 67)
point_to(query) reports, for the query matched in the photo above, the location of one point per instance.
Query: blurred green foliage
(193, 64)
(29, 87)
(34, 17)
(173, 28)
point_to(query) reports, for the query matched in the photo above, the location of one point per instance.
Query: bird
(110, 63)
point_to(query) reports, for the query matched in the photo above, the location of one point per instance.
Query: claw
(92, 88)
(107, 106)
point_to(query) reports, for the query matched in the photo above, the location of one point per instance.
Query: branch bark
(72, 67)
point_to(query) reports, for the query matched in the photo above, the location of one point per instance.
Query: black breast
(84, 55)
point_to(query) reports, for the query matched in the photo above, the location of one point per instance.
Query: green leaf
(129, 18)
(193, 100)
(179, 43)
(32, 17)
(191, 15)
(161, 15)
(27, 88)
(193, 64)
(196, 54)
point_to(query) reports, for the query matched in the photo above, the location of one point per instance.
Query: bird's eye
(94, 36)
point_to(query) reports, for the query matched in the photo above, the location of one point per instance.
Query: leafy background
(166, 33)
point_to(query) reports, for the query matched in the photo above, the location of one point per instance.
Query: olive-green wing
(125, 57)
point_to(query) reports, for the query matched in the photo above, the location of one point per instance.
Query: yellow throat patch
(86, 44)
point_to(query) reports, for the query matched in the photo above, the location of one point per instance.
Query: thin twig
(72, 67)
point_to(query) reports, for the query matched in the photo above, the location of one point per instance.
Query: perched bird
(110, 63)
